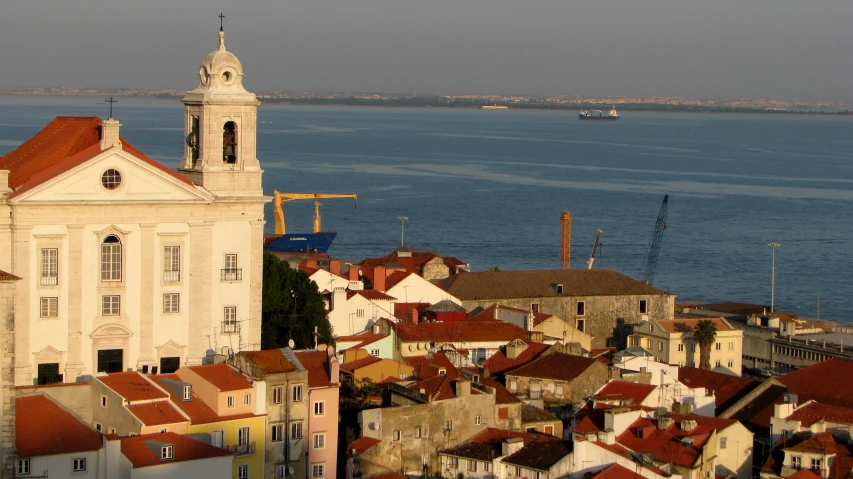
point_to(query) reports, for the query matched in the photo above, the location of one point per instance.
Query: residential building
(112, 246)
(427, 264)
(351, 312)
(557, 378)
(129, 403)
(824, 454)
(515, 353)
(171, 455)
(480, 338)
(601, 303)
(535, 419)
(380, 341)
(551, 326)
(672, 341)
(323, 400)
(413, 288)
(377, 369)
(727, 390)
(790, 418)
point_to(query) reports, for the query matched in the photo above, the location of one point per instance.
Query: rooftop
(462, 331)
(360, 445)
(487, 444)
(317, 365)
(44, 428)
(541, 453)
(132, 386)
(197, 410)
(222, 376)
(626, 393)
(271, 361)
(499, 362)
(144, 451)
(727, 389)
(560, 366)
(4, 276)
(688, 325)
(615, 471)
(156, 413)
(531, 413)
(815, 411)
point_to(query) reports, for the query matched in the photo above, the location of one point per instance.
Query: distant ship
(494, 107)
(300, 242)
(598, 114)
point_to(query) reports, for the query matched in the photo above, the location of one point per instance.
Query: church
(111, 261)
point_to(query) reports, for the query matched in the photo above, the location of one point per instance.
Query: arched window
(111, 259)
(229, 143)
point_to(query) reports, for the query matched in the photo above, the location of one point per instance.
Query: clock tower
(220, 128)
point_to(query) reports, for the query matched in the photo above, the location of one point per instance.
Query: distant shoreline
(470, 104)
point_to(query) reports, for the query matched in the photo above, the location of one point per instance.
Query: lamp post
(773, 247)
(402, 228)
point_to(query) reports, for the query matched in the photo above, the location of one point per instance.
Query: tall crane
(566, 240)
(281, 198)
(594, 247)
(651, 262)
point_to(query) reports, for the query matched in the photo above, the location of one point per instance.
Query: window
(651, 328)
(660, 345)
(418, 432)
(243, 471)
(111, 259)
(718, 363)
(23, 467)
(559, 389)
(171, 264)
(731, 345)
(723, 441)
(472, 465)
(99, 427)
(718, 346)
(452, 462)
(580, 325)
(103, 401)
(296, 430)
(230, 401)
(374, 352)
(816, 464)
(49, 266)
(692, 347)
(486, 467)
(534, 307)
(276, 395)
(649, 343)
(247, 399)
(243, 436)
(549, 430)
(442, 372)
(448, 425)
(320, 440)
(111, 430)
(513, 384)
(395, 436)
(477, 420)
(359, 313)
(797, 462)
(167, 452)
(110, 305)
(171, 302)
(319, 408)
(731, 363)
(111, 179)
(296, 395)
(518, 472)
(681, 347)
(318, 470)
(559, 289)
(276, 432)
(581, 311)
(164, 430)
(229, 320)
(643, 308)
(231, 271)
(49, 307)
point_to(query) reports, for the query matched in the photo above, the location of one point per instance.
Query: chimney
(511, 446)
(463, 388)
(535, 336)
(495, 312)
(528, 321)
(311, 263)
(379, 278)
(515, 348)
(334, 366)
(665, 421)
(339, 297)
(4, 182)
(688, 424)
(415, 315)
(335, 266)
(109, 134)
(352, 273)
(607, 436)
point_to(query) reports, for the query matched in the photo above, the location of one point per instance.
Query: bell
(229, 150)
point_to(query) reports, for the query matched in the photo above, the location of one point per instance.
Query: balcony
(241, 449)
(534, 394)
(49, 280)
(230, 326)
(171, 276)
(231, 274)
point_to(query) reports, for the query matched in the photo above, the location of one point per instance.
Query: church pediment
(115, 176)
(111, 331)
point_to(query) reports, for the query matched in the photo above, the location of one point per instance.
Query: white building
(412, 288)
(672, 341)
(351, 312)
(126, 263)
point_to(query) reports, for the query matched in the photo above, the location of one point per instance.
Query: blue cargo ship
(300, 242)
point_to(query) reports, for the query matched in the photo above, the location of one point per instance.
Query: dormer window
(559, 289)
(442, 372)
(188, 392)
(167, 452)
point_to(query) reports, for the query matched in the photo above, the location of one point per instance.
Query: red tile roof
(411, 264)
(715, 423)
(430, 365)
(403, 311)
(360, 445)
(627, 393)
(140, 450)
(820, 382)
(223, 377)
(489, 313)
(132, 386)
(270, 361)
(487, 444)
(370, 294)
(394, 278)
(667, 445)
(502, 394)
(43, 428)
(815, 411)
(363, 339)
(463, 331)
(805, 474)
(4, 276)
(560, 366)
(198, 411)
(352, 366)
(541, 453)
(498, 362)
(688, 325)
(727, 389)
(615, 471)
(317, 365)
(156, 413)
(438, 388)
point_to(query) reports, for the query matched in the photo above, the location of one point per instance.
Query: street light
(773, 247)
(402, 227)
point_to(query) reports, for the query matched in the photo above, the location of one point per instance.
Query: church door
(169, 365)
(110, 360)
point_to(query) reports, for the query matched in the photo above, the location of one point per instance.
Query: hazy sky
(696, 48)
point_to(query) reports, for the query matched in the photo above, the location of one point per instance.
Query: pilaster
(23, 366)
(7, 373)
(253, 338)
(74, 366)
(201, 321)
(149, 272)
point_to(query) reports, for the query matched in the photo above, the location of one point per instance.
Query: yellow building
(377, 369)
(671, 341)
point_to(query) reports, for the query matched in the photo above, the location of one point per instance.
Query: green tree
(705, 334)
(292, 307)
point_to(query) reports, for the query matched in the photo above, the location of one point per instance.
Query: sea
(490, 186)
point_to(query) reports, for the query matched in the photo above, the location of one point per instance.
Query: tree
(494, 268)
(291, 307)
(705, 334)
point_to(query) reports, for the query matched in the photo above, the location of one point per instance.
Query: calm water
(489, 187)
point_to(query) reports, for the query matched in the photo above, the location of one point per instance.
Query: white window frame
(318, 470)
(229, 319)
(243, 471)
(276, 395)
(718, 346)
(171, 303)
(49, 307)
(418, 432)
(49, 266)
(374, 352)
(111, 260)
(167, 452)
(448, 425)
(680, 347)
(78, 464)
(296, 393)
(320, 408)
(296, 431)
(718, 363)
(243, 435)
(477, 420)
(319, 440)
(731, 363)
(231, 261)
(188, 392)
(171, 264)
(111, 305)
(277, 432)
(23, 467)
(396, 435)
(103, 401)
(247, 399)
(580, 308)
(229, 401)
(731, 345)
(797, 462)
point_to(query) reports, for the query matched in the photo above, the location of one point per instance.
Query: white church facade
(124, 263)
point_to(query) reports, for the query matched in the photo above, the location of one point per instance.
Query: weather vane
(111, 101)
(221, 18)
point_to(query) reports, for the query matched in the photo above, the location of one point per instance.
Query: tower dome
(220, 71)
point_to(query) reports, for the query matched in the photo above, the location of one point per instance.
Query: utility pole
(773, 247)
(402, 228)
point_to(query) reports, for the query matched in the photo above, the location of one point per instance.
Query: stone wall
(574, 391)
(7, 376)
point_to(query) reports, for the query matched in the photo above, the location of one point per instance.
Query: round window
(111, 179)
(227, 76)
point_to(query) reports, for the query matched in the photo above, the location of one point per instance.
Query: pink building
(322, 435)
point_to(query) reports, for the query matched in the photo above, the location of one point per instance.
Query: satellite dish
(290, 343)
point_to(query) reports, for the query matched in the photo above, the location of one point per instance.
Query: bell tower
(220, 128)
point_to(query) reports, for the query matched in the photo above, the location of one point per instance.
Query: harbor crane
(651, 262)
(594, 247)
(281, 198)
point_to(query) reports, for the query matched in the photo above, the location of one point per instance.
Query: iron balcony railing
(171, 276)
(230, 326)
(232, 274)
(241, 449)
(49, 280)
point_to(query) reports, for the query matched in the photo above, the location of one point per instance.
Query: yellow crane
(281, 198)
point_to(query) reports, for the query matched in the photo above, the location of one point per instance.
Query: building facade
(671, 341)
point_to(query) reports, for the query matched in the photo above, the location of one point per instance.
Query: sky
(709, 49)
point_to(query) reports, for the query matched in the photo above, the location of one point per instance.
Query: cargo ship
(494, 107)
(300, 242)
(598, 114)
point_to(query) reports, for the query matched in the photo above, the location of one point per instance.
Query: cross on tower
(111, 101)
(221, 18)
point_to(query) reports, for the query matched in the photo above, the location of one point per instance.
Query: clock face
(203, 75)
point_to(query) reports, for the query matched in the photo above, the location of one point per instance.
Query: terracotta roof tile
(688, 325)
(44, 428)
(560, 366)
(370, 294)
(498, 362)
(615, 471)
(820, 382)
(138, 449)
(541, 453)
(352, 366)
(531, 413)
(394, 279)
(403, 311)
(222, 376)
(4, 276)
(360, 445)
(430, 365)
(316, 363)
(362, 339)
(156, 413)
(666, 444)
(627, 393)
(541, 283)
(132, 386)
(197, 410)
(727, 389)
(711, 422)
(270, 361)
(487, 444)
(805, 474)
(463, 331)
(815, 411)
(502, 394)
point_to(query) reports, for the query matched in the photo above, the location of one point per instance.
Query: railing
(49, 280)
(171, 276)
(534, 394)
(241, 449)
(230, 326)
(232, 274)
